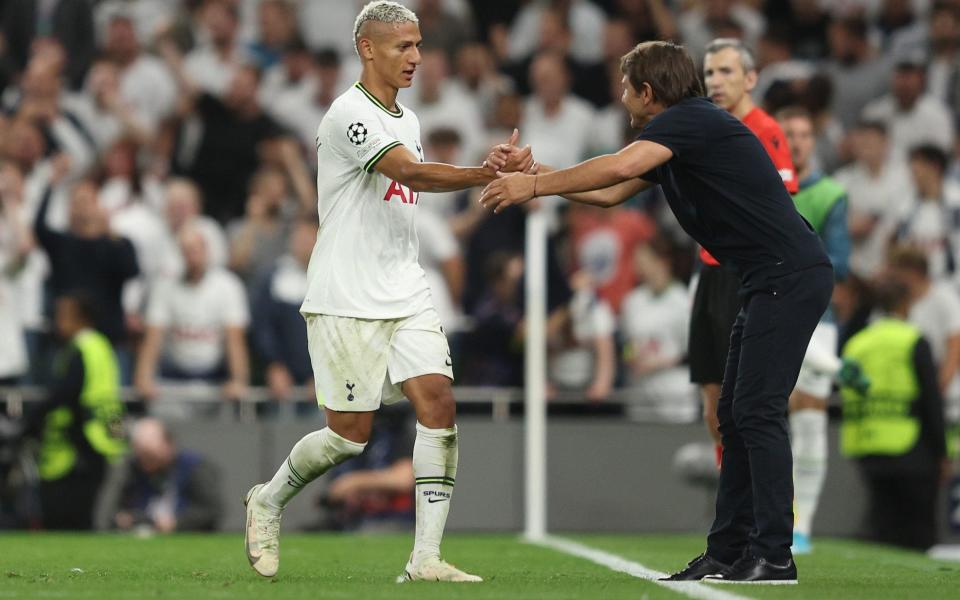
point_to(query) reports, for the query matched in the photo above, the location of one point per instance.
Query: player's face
(800, 138)
(727, 82)
(397, 54)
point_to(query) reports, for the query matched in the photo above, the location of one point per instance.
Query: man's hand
(507, 190)
(280, 381)
(509, 158)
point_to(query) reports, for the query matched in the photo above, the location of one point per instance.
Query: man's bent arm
(604, 171)
(604, 197)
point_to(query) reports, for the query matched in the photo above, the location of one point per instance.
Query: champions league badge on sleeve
(357, 133)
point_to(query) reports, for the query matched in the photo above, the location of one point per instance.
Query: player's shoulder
(351, 103)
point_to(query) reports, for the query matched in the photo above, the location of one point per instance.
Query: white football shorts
(359, 364)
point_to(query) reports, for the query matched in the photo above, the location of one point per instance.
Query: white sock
(435, 470)
(311, 457)
(808, 430)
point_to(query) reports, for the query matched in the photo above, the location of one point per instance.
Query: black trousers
(754, 511)
(902, 505)
(68, 503)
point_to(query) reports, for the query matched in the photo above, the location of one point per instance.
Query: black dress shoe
(752, 569)
(697, 569)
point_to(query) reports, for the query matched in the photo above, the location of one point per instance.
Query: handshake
(516, 175)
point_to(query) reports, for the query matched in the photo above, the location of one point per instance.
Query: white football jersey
(364, 264)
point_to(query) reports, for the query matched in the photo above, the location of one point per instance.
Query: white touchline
(613, 562)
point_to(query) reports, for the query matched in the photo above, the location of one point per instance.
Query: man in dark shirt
(726, 193)
(88, 259)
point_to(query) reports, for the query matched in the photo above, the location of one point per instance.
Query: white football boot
(435, 569)
(262, 534)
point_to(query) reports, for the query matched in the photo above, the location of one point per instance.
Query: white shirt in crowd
(195, 317)
(296, 110)
(454, 109)
(591, 319)
(171, 259)
(13, 350)
(364, 264)
(438, 245)
(561, 139)
(657, 325)
(882, 197)
(149, 89)
(208, 71)
(934, 226)
(927, 122)
(937, 315)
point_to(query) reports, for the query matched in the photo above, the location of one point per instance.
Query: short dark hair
(794, 112)
(666, 68)
(444, 136)
(872, 125)
(908, 258)
(891, 295)
(84, 305)
(930, 154)
(327, 57)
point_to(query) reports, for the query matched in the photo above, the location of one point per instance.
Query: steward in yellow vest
(79, 425)
(894, 426)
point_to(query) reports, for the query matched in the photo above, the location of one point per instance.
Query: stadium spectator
(804, 24)
(16, 242)
(476, 71)
(234, 137)
(655, 323)
(69, 22)
(40, 102)
(859, 73)
(912, 117)
(182, 206)
(440, 101)
(894, 428)
(583, 354)
(878, 186)
(299, 108)
(704, 21)
(260, 237)
(78, 424)
(213, 63)
(374, 492)
(931, 220)
(610, 122)
(291, 74)
(166, 489)
(935, 310)
(101, 110)
(277, 331)
(584, 21)
(552, 113)
(442, 29)
(87, 258)
(277, 30)
(444, 269)
(146, 85)
(196, 326)
(604, 242)
(645, 20)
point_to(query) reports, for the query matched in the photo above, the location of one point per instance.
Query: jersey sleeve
(775, 143)
(358, 134)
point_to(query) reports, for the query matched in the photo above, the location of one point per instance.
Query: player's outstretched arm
(595, 174)
(400, 165)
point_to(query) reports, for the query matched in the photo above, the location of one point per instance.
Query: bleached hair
(381, 11)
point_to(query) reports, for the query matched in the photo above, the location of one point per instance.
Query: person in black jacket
(87, 258)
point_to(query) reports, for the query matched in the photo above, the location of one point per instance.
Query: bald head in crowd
(152, 445)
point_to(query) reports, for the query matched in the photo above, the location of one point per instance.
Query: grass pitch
(354, 566)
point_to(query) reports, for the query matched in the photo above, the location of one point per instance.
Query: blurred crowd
(158, 157)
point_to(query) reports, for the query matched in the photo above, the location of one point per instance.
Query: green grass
(330, 566)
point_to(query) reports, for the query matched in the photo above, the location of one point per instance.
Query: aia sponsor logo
(405, 194)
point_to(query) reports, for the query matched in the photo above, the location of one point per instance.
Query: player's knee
(438, 409)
